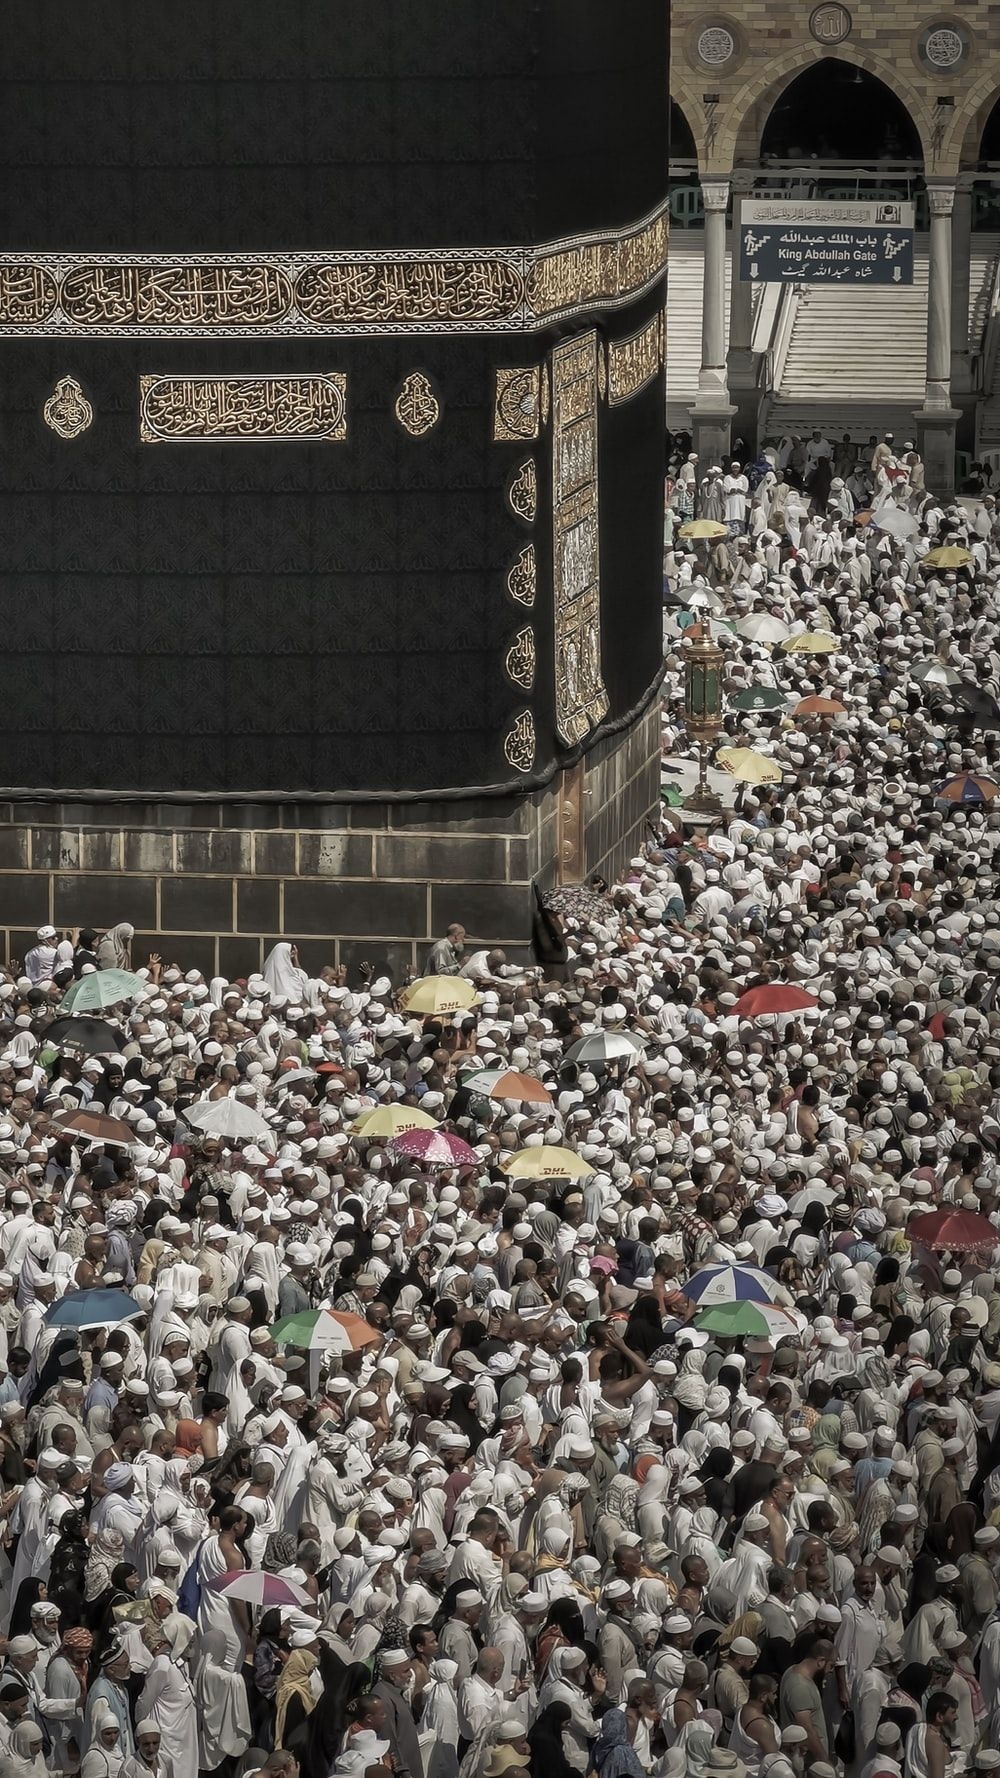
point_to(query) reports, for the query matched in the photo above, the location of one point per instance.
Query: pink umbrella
(436, 1147)
(257, 1588)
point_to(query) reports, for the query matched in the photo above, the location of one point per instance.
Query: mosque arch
(853, 78)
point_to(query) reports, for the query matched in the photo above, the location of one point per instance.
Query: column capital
(715, 193)
(941, 198)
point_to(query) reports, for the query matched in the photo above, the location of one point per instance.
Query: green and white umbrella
(100, 989)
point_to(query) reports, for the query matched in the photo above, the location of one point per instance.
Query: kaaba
(331, 463)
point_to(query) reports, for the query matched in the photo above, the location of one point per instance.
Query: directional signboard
(799, 241)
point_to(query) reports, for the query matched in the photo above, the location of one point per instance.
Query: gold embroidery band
(235, 407)
(634, 362)
(495, 290)
(581, 698)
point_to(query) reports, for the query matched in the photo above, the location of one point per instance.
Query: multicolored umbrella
(100, 989)
(817, 706)
(741, 1320)
(606, 1046)
(255, 1587)
(439, 996)
(934, 672)
(546, 1161)
(968, 787)
(324, 1330)
(760, 697)
(391, 1120)
(747, 766)
(508, 1083)
(96, 1126)
(773, 997)
(730, 1284)
(953, 1231)
(436, 1148)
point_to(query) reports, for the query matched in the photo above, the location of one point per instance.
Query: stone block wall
(213, 886)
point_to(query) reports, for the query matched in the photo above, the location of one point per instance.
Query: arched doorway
(682, 144)
(836, 111)
(989, 142)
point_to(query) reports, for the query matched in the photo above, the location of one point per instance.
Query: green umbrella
(101, 989)
(759, 697)
(734, 1320)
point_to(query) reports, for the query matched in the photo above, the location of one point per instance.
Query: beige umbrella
(747, 766)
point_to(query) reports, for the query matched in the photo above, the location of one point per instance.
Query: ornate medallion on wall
(716, 43)
(522, 578)
(67, 410)
(517, 403)
(830, 23)
(520, 659)
(417, 408)
(523, 492)
(519, 742)
(943, 45)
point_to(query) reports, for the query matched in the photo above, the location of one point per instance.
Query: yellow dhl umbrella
(703, 528)
(950, 555)
(392, 1120)
(813, 642)
(439, 995)
(546, 1162)
(747, 766)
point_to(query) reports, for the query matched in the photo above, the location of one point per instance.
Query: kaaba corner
(332, 454)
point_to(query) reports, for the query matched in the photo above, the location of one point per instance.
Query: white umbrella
(895, 522)
(227, 1117)
(812, 1194)
(760, 626)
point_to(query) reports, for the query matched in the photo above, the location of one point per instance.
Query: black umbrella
(94, 1037)
(981, 706)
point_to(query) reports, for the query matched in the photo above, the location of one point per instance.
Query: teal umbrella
(759, 697)
(100, 989)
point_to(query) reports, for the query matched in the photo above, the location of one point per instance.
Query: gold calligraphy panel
(461, 292)
(581, 698)
(635, 362)
(177, 295)
(28, 295)
(600, 272)
(488, 290)
(234, 407)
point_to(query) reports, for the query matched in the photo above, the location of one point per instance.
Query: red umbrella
(772, 997)
(952, 1231)
(436, 1147)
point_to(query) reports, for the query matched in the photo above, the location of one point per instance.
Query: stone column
(741, 365)
(961, 247)
(712, 414)
(937, 419)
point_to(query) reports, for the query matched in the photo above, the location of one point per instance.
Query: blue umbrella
(93, 1308)
(730, 1284)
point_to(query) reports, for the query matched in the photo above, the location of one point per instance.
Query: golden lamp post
(703, 661)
